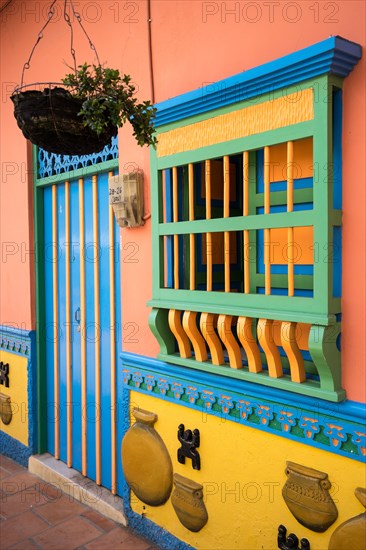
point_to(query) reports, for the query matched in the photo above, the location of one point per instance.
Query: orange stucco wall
(194, 43)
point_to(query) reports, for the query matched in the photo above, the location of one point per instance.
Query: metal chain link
(68, 21)
(51, 13)
(78, 18)
(26, 65)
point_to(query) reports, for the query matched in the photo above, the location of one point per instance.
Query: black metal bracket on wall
(189, 442)
(291, 542)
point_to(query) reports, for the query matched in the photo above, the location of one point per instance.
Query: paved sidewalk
(34, 515)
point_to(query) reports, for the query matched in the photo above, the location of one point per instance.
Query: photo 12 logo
(270, 12)
(90, 12)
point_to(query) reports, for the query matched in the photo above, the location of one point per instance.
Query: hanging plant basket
(50, 119)
(82, 119)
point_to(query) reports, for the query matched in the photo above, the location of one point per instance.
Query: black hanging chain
(51, 13)
(78, 19)
(68, 22)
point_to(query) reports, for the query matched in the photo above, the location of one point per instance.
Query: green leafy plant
(109, 98)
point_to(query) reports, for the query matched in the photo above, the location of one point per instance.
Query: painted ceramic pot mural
(6, 412)
(351, 533)
(306, 493)
(187, 501)
(145, 460)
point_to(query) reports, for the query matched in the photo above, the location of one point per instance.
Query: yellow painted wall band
(255, 119)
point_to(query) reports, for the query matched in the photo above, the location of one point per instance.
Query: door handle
(77, 317)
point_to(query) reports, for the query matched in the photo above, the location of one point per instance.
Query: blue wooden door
(82, 309)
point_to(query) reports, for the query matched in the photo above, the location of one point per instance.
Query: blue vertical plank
(182, 216)
(337, 149)
(118, 349)
(89, 258)
(105, 323)
(337, 191)
(62, 319)
(75, 333)
(169, 218)
(49, 252)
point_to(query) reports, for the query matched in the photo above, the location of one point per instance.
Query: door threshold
(78, 487)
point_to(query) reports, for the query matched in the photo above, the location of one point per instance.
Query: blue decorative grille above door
(51, 164)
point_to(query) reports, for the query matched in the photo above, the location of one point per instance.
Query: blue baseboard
(15, 450)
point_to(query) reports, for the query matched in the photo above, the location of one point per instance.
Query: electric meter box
(126, 195)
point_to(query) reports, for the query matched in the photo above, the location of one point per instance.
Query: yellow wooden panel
(303, 246)
(198, 343)
(224, 328)
(302, 334)
(175, 325)
(266, 340)
(255, 119)
(289, 344)
(302, 161)
(207, 326)
(18, 392)
(247, 340)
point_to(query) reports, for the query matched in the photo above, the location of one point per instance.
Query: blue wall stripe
(350, 411)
